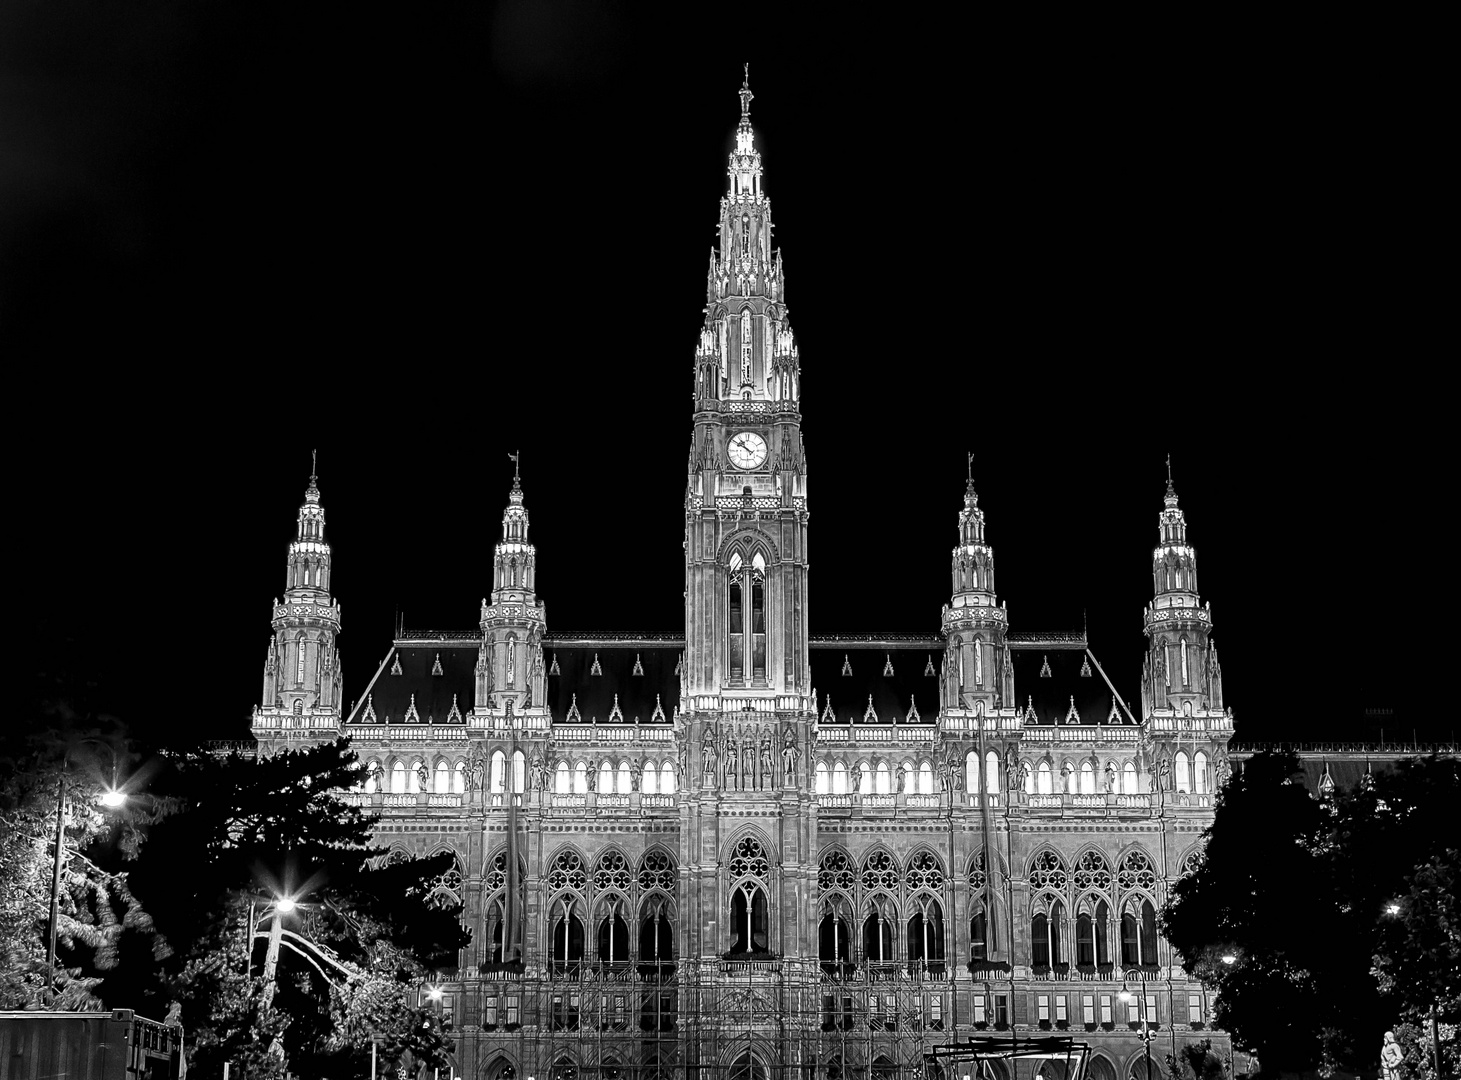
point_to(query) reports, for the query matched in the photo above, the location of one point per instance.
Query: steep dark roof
(391, 694)
(1052, 675)
(595, 694)
(909, 684)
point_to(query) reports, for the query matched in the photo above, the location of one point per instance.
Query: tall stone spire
(1181, 670)
(302, 680)
(510, 661)
(975, 670)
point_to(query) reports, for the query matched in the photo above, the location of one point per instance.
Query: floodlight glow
(1392, 909)
(1229, 959)
(112, 797)
(434, 993)
(284, 905)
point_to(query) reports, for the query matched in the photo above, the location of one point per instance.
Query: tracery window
(1048, 872)
(1091, 923)
(1092, 871)
(879, 871)
(836, 872)
(567, 872)
(613, 936)
(1136, 872)
(612, 871)
(877, 931)
(567, 945)
(926, 937)
(657, 871)
(925, 872)
(1046, 928)
(833, 936)
(749, 871)
(1138, 933)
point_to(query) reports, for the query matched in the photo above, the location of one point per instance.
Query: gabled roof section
(617, 694)
(886, 678)
(1054, 678)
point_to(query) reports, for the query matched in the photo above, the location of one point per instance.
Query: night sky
(417, 238)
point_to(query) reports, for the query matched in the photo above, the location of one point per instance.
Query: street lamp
(1392, 910)
(1145, 1035)
(113, 797)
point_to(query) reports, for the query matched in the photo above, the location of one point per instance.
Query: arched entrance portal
(749, 1067)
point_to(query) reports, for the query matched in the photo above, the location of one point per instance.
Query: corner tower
(302, 682)
(977, 672)
(746, 497)
(510, 662)
(1180, 673)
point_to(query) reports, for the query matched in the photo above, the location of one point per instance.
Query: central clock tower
(746, 497)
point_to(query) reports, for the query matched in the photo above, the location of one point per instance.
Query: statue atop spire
(312, 493)
(746, 96)
(1171, 497)
(970, 498)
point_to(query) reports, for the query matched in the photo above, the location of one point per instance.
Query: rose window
(1136, 872)
(978, 876)
(567, 872)
(1048, 872)
(836, 872)
(1092, 872)
(612, 871)
(657, 871)
(879, 871)
(924, 872)
(748, 858)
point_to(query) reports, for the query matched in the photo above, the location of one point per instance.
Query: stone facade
(741, 848)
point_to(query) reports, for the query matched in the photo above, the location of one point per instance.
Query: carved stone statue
(1022, 788)
(855, 779)
(956, 777)
(636, 770)
(1390, 1058)
(1224, 770)
(423, 777)
(539, 773)
(479, 774)
(899, 774)
(748, 763)
(707, 750)
(593, 775)
(788, 759)
(768, 763)
(1067, 779)
(729, 756)
(1110, 778)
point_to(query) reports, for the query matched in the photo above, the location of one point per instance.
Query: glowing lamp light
(1127, 996)
(284, 905)
(1229, 959)
(113, 798)
(1392, 908)
(434, 993)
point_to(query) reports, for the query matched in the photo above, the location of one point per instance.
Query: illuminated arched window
(1088, 779)
(299, 647)
(499, 772)
(398, 778)
(1128, 778)
(1042, 778)
(562, 779)
(882, 782)
(1199, 772)
(925, 778)
(580, 778)
(971, 771)
(459, 778)
(823, 781)
(839, 779)
(991, 773)
(372, 771)
(1179, 768)
(649, 782)
(910, 778)
(667, 778)
(441, 782)
(413, 777)
(626, 778)
(606, 777)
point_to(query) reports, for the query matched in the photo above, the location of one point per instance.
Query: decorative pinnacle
(312, 493)
(970, 498)
(517, 488)
(1171, 499)
(746, 95)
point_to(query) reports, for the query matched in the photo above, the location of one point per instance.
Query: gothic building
(742, 847)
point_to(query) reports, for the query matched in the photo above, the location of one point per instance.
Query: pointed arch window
(839, 779)
(567, 955)
(626, 778)
(299, 648)
(925, 778)
(758, 617)
(442, 781)
(926, 937)
(613, 937)
(1139, 933)
(749, 869)
(413, 777)
(511, 659)
(519, 770)
(580, 778)
(971, 771)
(656, 941)
(398, 778)
(1091, 924)
(499, 773)
(823, 780)
(667, 778)
(883, 784)
(978, 659)
(737, 619)
(1088, 779)
(877, 932)
(459, 778)
(910, 778)
(979, 937)
(649, 783)
(1180, 774)
(991, 773)
(1042, 778)
(1128, 778)
(865, 780)
(833, 937)
(1186, 680)
(1199, 773)
(606, 777)
(562, 779)
(1046, 927)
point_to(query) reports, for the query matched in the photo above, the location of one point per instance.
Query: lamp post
(113, 797)
(282, 906)
(1392, 910)
(1145, 1035)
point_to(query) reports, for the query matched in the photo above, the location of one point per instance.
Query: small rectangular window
(979, 1016)
(1105, 1008)
(1042, 1006)
(936, 1012)
(489, 1013)
(512, 1017)
(1060, 1009)
(1194, 1008)
(1001, 1011)
(1133, 1010)
(1151, 1009)
(1088, 1009)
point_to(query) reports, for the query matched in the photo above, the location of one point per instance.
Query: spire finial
(746, 95)
(971, 466)
(312, 493)
(314, 462)
(1171, 491)
(516, 464)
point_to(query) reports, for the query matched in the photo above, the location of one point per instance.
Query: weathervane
(516, 467)
(971, 465)
(314, 461)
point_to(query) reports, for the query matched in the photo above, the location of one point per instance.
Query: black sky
(418, 239)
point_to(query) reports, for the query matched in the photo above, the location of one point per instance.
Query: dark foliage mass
(1339, 913)
(166, 902)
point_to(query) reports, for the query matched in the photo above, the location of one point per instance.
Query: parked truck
(116, 1045)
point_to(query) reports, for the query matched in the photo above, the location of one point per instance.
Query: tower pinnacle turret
(302, 680)
(510, 662)
(976, 668)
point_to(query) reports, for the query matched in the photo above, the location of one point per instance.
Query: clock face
(747, 450)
